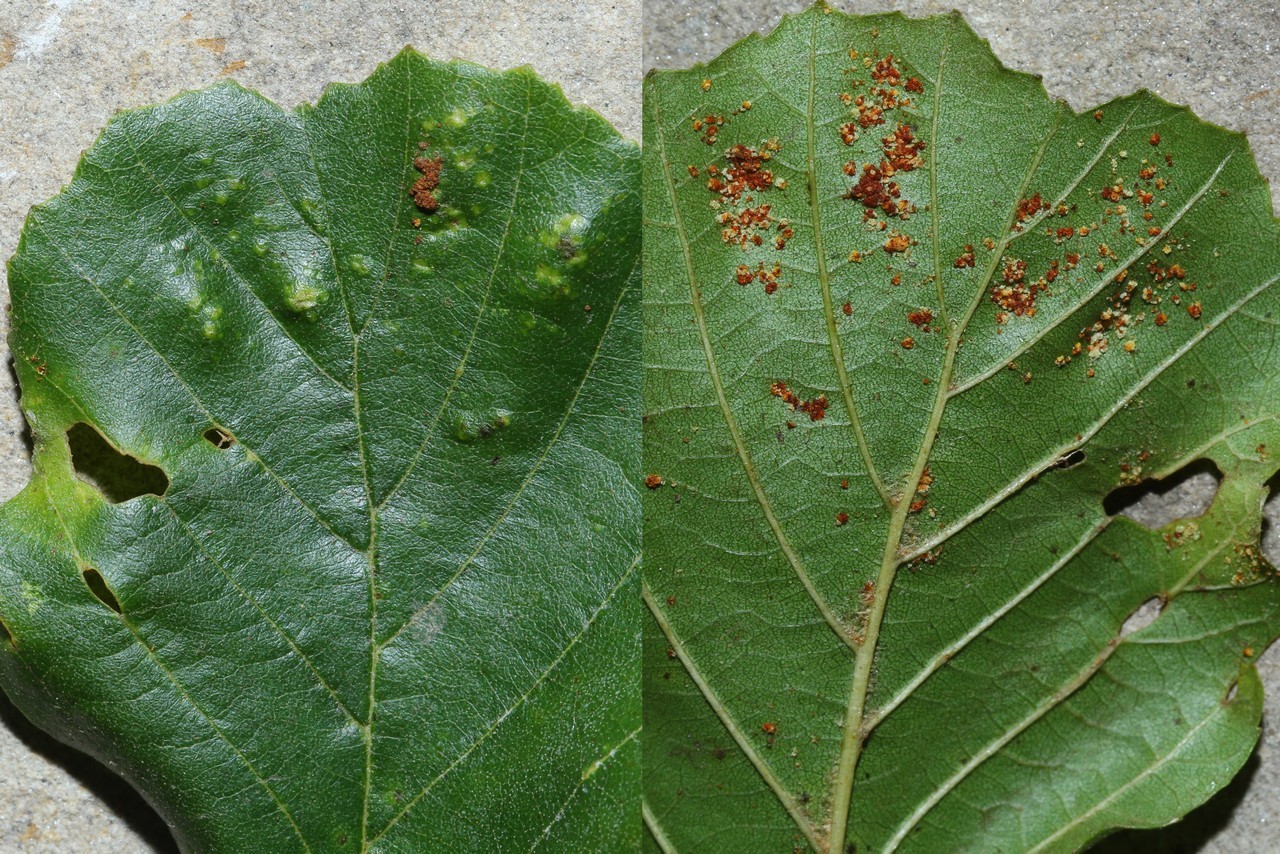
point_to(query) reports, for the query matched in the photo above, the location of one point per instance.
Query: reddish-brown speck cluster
(653, 481)
(896, 243)
(816, 408)
(768, 277)
(1015, 294)
(708, 127)
(423, 190)
(921, 319)
(1028, 208)
(902, 149)
(842, 519)
(966, 258)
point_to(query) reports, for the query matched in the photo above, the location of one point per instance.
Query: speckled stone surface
(67, 65)
(1221, 58)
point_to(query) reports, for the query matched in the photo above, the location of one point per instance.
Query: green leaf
(889, 608)
(379, 595)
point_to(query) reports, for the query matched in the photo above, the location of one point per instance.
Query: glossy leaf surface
(908, 324)
(382, 594)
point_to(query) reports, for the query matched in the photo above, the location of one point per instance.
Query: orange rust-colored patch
(423, 190)
(897, 243)
(902, 149)
(816, 408)
(967, 259)
(847, 308)
(921, 318)
(842, 518)
(653, 481)
(1027, 208)
(908, 343)
(1195, 310)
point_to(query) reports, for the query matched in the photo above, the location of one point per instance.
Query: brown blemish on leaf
(423, 190)
(921, 319)
(653, 481)
(842, 519)
(966, 259)
(816, 408)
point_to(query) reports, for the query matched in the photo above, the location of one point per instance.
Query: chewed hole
(219, 438)
(1185, 494)
(119, 477)
(1271, 521)
(1070, 459)
(1143, 616)
(98, 587)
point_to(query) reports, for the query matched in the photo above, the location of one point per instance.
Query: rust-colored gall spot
(914, 86)
(844, 484)
(868, 594)
(1155, 139)
(1195, 310)
(921, 319)
(847, 308)
(966, 259)
(1027, 208)
(842, 519)
(653, 481)
(423, 190)
(897, 243)
(1016, 294)
(902, 150)
(769, 728)
(908, 343)
(1097, 116)
(816, 408)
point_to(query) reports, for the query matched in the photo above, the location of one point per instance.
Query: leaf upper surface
(386, 600)
(907, 323)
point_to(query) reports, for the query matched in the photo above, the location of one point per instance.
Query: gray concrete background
(67, 65)
(1221, 58)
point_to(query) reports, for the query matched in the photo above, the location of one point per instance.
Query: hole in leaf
(98, 587)
(119, 477)
(1142, 616)
(1271, 521)
(219, 438)
(1185, 494)
(1231, 694)
(1070, 459)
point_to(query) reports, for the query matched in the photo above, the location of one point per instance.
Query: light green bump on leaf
(339, 629)
(908, 322)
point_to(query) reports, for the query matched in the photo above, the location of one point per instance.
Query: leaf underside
(383, 599)
(887, 606)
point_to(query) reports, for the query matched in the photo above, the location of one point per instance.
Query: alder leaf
(909, 324)
(375, 590)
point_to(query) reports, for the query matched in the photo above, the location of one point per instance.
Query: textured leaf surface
(386, 600)
(888, 608)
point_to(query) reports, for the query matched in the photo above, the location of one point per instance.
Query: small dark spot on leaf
(98, 587)
(119, 477)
